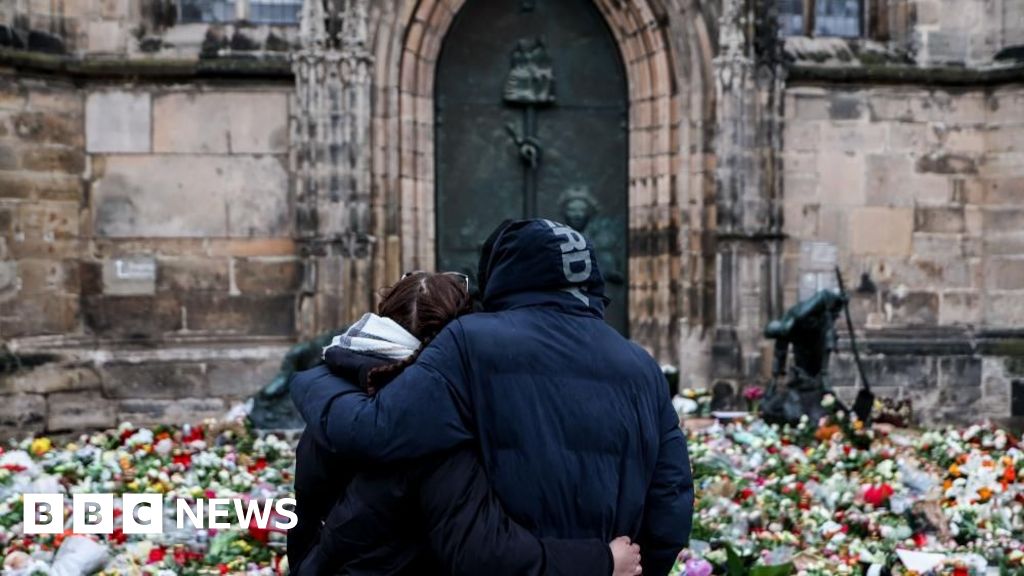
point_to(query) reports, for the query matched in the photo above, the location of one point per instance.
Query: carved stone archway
(666, 49)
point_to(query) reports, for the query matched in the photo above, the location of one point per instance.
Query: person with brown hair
(434, 515)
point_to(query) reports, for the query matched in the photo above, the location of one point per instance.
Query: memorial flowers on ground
(820, 499)
(214, 460)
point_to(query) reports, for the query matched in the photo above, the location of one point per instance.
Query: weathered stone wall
(147, 262)
(959, 32)
(922, 191)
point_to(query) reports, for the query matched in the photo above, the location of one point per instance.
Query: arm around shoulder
(415, 415)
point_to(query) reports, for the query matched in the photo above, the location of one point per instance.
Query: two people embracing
(514, 433)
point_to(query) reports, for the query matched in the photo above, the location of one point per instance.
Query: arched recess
(666, 48)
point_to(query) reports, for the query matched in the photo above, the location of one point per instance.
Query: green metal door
(531, 119)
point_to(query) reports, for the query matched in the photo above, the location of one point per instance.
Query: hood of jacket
(540, 262)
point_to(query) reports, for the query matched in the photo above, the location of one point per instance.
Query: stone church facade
(188, 187)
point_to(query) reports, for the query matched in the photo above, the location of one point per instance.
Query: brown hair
(423, 303)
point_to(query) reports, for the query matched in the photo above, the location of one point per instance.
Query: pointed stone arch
(666, 48)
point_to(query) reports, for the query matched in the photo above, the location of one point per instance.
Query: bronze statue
(531, 78)
(809, 327)
(579, 210)
(272, 406)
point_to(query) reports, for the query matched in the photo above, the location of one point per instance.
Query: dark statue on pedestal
(809, 328)
(272, 406)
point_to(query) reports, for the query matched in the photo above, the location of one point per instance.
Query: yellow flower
(41, 446)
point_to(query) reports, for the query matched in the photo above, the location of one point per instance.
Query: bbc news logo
(144, 513)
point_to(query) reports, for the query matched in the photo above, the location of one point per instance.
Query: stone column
(748, 108)
(331, 164)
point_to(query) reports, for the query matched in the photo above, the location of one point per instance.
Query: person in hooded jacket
(574, 424)
(436, 515)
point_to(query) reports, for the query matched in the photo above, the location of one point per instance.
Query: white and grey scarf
(377, 336)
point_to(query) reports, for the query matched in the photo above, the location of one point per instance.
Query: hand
(626, 557)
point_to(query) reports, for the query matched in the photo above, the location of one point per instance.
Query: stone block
(1003, 166)
(131, 276)
(193, 274)
(214, 196)
(153, 379)
(960, 371)
(846, 105)
(46, 223)
(960, 308)
(49, 378)
(1006, 273)
(897, 371)
(1006, 107)
(970, 142)
(39, 314)
(1002, 220)
(55, 97)
(946, 163)
(881, 231)
(911, 137)
(178, 412)
(266, 276)
(807, 106)
(841, 176)
(892, 181)
(22, 414)
(894, 105)
(1004, 310)
(252, 315)
(40, 186)
(105, 37)
(945, 219)
(80, 411)
(242, 378)
(939, 247)
(221, 122)
(854, 137)
(1005, 139)
(41, 276)
(916, 308)
(49, 128)
(118, 121)
(63, 160)
(135, 317)
(801, 136)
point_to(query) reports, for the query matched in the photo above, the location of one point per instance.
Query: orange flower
(985, 494)
(825, 433)
(954, 470)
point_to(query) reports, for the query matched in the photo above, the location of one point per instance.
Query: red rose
(878, 495)
(184, 459)
(156, 555)
(261, 535)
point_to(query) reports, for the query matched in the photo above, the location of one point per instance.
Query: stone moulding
(276, 68)
(902, 74)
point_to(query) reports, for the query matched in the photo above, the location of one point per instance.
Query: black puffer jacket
(435, 515)
(576, 430)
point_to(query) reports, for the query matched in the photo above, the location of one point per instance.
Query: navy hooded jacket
(576, 430)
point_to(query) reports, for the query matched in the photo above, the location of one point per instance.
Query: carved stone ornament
(531, 77)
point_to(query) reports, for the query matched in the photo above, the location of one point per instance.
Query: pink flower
(753, 393)
(697, 567)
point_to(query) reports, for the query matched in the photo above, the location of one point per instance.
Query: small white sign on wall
(131, 276)
(135, 269)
